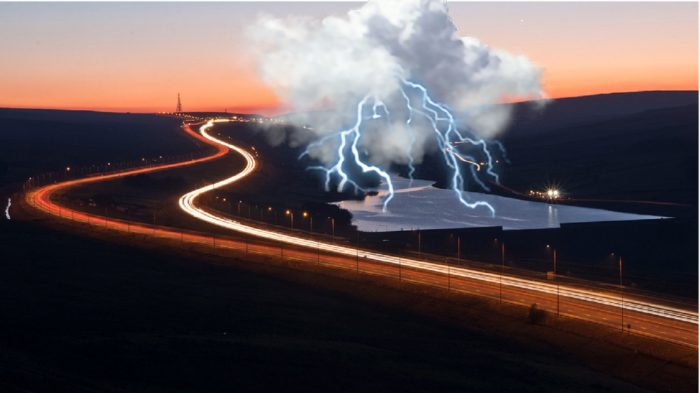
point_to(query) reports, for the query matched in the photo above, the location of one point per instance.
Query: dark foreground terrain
(84, 315)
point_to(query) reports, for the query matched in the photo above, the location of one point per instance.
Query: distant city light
(549, 194)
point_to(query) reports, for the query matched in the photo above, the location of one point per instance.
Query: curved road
(644, 317)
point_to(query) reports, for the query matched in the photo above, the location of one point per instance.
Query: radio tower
(178, 109)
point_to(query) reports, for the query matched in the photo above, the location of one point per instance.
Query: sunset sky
(138, 56)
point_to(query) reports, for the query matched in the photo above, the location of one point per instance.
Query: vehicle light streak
(461, 158)
(657, 320)
(187, 204)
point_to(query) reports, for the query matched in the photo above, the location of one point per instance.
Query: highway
(637, 315)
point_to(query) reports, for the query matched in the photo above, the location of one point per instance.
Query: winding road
(631, 313)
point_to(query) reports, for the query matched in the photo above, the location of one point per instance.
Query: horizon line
(260, 111)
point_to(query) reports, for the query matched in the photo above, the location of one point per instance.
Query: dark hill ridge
(628, 146)
(68, 116)
(35, 141)
(566, 112)
(635, 146)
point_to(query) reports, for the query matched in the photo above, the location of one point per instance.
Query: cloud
(323, 68)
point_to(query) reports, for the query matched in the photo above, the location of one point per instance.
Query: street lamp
(622, 292)
(332, 228)
(274, 215)
(554, 277)
(291, 215)
(458, 242)
(503, 263)
(311, 221)
(459, 249)
(419, 245)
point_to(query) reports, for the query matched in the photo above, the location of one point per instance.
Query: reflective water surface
(419, 205)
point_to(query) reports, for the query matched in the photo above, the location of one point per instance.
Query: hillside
(626, 146)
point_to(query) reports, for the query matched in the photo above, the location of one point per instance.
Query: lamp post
(419, 246)
(291, 215)
(311, 221)
(500, 276)
(274, 214)
(622, 295)
(332, 229)
(459, 249)
(449, 283)
(554, 277)
(503, 265)
(357, 250)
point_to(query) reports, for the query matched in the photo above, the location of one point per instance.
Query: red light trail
(649, 318)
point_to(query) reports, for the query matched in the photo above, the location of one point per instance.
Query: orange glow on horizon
(259, 99)
(243, 92)
(602, 81)
(83, 57)
(269, 105)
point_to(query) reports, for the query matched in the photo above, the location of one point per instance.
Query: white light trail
(7, 209)
(187, 204)
(459, 157)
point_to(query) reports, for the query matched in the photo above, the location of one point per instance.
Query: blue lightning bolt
(444, 127)
(409, 149)
(368, 168)
(412, 134)
(434, 111)
(503, 151)
(354, 134)
(337, 167)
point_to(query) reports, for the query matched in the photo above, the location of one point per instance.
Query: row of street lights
(289, 213)
(501, 243)
(306, 214)
(554, 273)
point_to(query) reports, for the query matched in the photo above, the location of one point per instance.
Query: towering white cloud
(326, 66)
